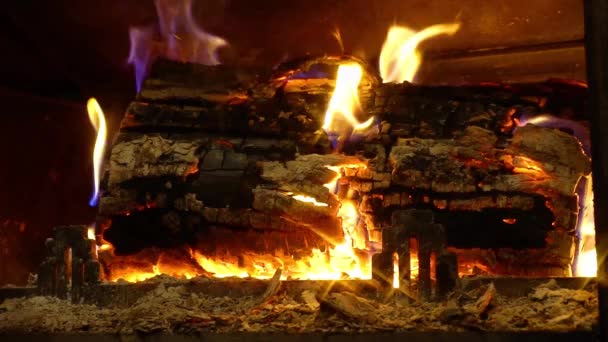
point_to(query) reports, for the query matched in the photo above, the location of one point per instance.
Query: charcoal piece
(447, 274)
(212, 161)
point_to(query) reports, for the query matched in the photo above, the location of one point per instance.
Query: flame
(308, 199)
(586, 262)
(336, 263)
(140, 54)
(178, 38)
(91, 233)
(395, 270)
(580, 131)
(99, 123)
(414, 264)
(345, 100)
(400, 57)
(333, 184)
(142, 266)
(133, 275)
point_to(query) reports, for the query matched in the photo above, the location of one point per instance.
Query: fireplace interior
(338, 168)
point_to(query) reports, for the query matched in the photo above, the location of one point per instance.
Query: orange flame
(99, 123)
(337, 262)
(395, 271)
(345, 100)
(586, 262)
(400, 57)
(414, 263)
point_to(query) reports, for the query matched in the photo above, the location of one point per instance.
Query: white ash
(175, 309)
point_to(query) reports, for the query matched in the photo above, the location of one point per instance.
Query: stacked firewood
(212, 156)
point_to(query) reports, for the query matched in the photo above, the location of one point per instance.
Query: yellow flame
(525, 165)
(336, 263)
(138, 272)
(345, 100)
(99, 123)
(400, 57)
(395, 271)
(91, 233)
(308, 199)
(586, 263)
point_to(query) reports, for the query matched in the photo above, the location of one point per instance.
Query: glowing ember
(179, 39)
(336, 263)
(400, 57)
(344, 102)
(587, 263)
(143, 265)
(525, 165)
(333, 184)
(99, 123)
(105, 247)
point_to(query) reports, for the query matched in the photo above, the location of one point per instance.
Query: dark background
(56, 54)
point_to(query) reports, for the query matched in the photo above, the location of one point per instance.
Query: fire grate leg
(84, 268)
(419, 225)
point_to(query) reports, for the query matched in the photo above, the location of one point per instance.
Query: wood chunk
(460, 166)
(273, 287)
(310, 299)
(351, 306)
(151, 155)
(484, 302)
(451, 312)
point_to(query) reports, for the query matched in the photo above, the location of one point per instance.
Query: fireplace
(450, 182)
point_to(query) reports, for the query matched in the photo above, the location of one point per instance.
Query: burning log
(230, 161)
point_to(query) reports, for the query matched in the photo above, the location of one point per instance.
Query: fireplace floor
(234, 306)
